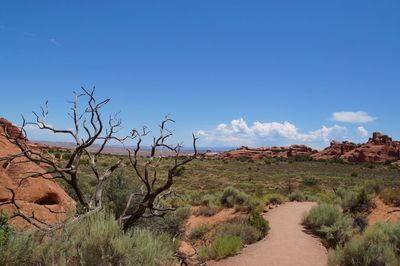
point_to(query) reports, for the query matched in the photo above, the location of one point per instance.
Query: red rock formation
(41, 196)
(379, 149)
(335, 150)
(267, 152)
(11, 129)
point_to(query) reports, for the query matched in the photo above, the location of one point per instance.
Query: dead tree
(90, 138)
(86, 120)
(152, 192)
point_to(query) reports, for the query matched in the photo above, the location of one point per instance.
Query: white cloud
(359, 117)
(362, 132)
(238, 133)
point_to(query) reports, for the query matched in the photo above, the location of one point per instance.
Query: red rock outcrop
(267, 152)
(11, 129)
(379, 149)
(335, 150)
(40, 196)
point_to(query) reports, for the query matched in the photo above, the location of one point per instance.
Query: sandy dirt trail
(286, 244)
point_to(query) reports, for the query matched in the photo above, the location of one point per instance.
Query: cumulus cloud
(359, 117)
(362, 132)
(238, 132)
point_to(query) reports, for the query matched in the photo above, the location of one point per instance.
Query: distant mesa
(378, 149)
(268, 152)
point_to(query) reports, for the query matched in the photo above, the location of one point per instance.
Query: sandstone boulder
(40, 196)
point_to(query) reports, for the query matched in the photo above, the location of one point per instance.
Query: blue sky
(239, 72)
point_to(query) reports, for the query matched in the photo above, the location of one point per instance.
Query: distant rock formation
(379, 149)
(40, 196)
(268, 152)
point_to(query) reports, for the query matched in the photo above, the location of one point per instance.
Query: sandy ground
(287, 244)
(383, 213)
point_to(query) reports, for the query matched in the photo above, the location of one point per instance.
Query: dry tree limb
(149, 205)
(88, 128)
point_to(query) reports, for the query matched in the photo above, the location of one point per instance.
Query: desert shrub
(96, 240)
(328, 222)
(339, 232)
(391, 196)
(232, 196)
(199, 231)
(322, 215)
(66, 156)
(117, 192)
(247, 233)
(301, 158)
(173, 222)
(209, 199)
(357, 200)
(298, 195)
(325, 197)
(360, 221)
(195, 198)
(225, 246)
(337, 160)
(275, 198)
(379, 245)
(354, 174)
(6, 230)
(204, 253)
(180, 171)
(209, 204)
(207, 211)
(374, 187)
(310, 181)
(222, 247)
(258, 222)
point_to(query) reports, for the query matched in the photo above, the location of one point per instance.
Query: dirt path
(286, 244)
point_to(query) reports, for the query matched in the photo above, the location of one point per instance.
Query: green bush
(6, 230)
(117, 192)
(180, 171)
(96, 240)
(173, 222)
(379, 245)
(310, 181)
(239, 228)
(221, 247)
(329, 222)
(391, 196)
(204, 254)
(298, 196)
(207, 211)
(357, 200)
(339, 232)
(232, 196)
(275, 198)
(258, 222)
(225, 246)
(301, 158)
(325, 197)
(199, 231)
